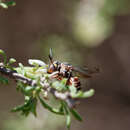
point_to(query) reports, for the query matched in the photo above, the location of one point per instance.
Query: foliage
(6, 4)
(35, 83)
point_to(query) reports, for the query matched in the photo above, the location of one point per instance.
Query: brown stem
(19, 77)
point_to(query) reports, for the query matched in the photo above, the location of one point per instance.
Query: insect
(66, 70)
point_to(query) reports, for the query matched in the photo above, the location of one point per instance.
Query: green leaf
(88, 94)
(33, 106)
(68, 121)
(61, 108)
(73, 89)
(21, 69)
(18, 108)
(64, 81)
(76, 115)
(77, 95)
(12, 60)
(23, 107)
(81, 94)
(28, 90)
(3, 5)
(30, 75)
(51, 109)
(68, 116)
(1, 51)
(29, 106)
(58, 86)
(3, 80)
(10, 3)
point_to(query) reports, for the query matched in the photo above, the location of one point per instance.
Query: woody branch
(19, 77)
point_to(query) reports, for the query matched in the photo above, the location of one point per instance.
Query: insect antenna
(51, 56)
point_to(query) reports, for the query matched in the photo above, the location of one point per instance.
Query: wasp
(66, 70)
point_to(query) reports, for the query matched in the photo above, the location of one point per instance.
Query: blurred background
(84, 33)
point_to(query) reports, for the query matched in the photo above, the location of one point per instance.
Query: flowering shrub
(35, 83)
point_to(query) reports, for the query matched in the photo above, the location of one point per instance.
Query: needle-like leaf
(51, 109)
(75, 114)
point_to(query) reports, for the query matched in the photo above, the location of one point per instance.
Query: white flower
(36, 62)
(41, 71)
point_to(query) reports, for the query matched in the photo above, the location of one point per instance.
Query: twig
(19, 77)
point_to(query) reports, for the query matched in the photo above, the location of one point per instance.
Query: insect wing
(85, 72)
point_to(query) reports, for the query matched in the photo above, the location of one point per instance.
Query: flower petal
(36, 62)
